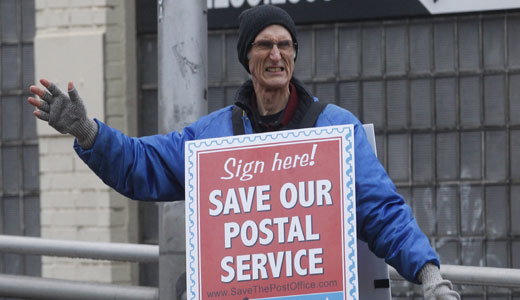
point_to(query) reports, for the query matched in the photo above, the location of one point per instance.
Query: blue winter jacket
(152, 168)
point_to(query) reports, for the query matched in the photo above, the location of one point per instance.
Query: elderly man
(152, 168)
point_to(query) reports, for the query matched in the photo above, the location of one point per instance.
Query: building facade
(19, 159)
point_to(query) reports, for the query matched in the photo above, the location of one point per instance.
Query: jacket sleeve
(383, 218)
(146, 168)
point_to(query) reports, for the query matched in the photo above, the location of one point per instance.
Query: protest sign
(272, 216)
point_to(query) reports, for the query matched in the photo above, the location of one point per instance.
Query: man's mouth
(275, 69)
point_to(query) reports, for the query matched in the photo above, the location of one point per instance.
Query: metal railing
(79, 249)
(55, 289)
(481, 276)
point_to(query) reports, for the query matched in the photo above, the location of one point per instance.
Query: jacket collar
(245, 93)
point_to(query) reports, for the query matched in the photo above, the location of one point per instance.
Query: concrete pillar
(182, 38)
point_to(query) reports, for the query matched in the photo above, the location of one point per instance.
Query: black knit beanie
(253, 20)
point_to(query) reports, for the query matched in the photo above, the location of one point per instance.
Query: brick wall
(92, 43)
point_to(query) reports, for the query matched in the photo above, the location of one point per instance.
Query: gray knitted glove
(434, 287)
(67, 114)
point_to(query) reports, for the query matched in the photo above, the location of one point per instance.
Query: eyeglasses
(267, 45)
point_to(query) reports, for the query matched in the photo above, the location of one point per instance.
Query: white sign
(459, 6)
(239, 3)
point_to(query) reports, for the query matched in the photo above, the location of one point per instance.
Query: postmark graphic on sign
(272, 216)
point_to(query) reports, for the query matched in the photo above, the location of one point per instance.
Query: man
(152, 168)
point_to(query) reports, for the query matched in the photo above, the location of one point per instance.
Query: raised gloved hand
(66, 113)
(434, 287)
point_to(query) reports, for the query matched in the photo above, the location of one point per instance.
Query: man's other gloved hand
(66, 113)
(434, 287)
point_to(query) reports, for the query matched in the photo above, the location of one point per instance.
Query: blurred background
(443, 92)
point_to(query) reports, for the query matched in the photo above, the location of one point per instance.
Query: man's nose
(275, 53)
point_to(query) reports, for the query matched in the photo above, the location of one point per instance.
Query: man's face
(272, 68)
